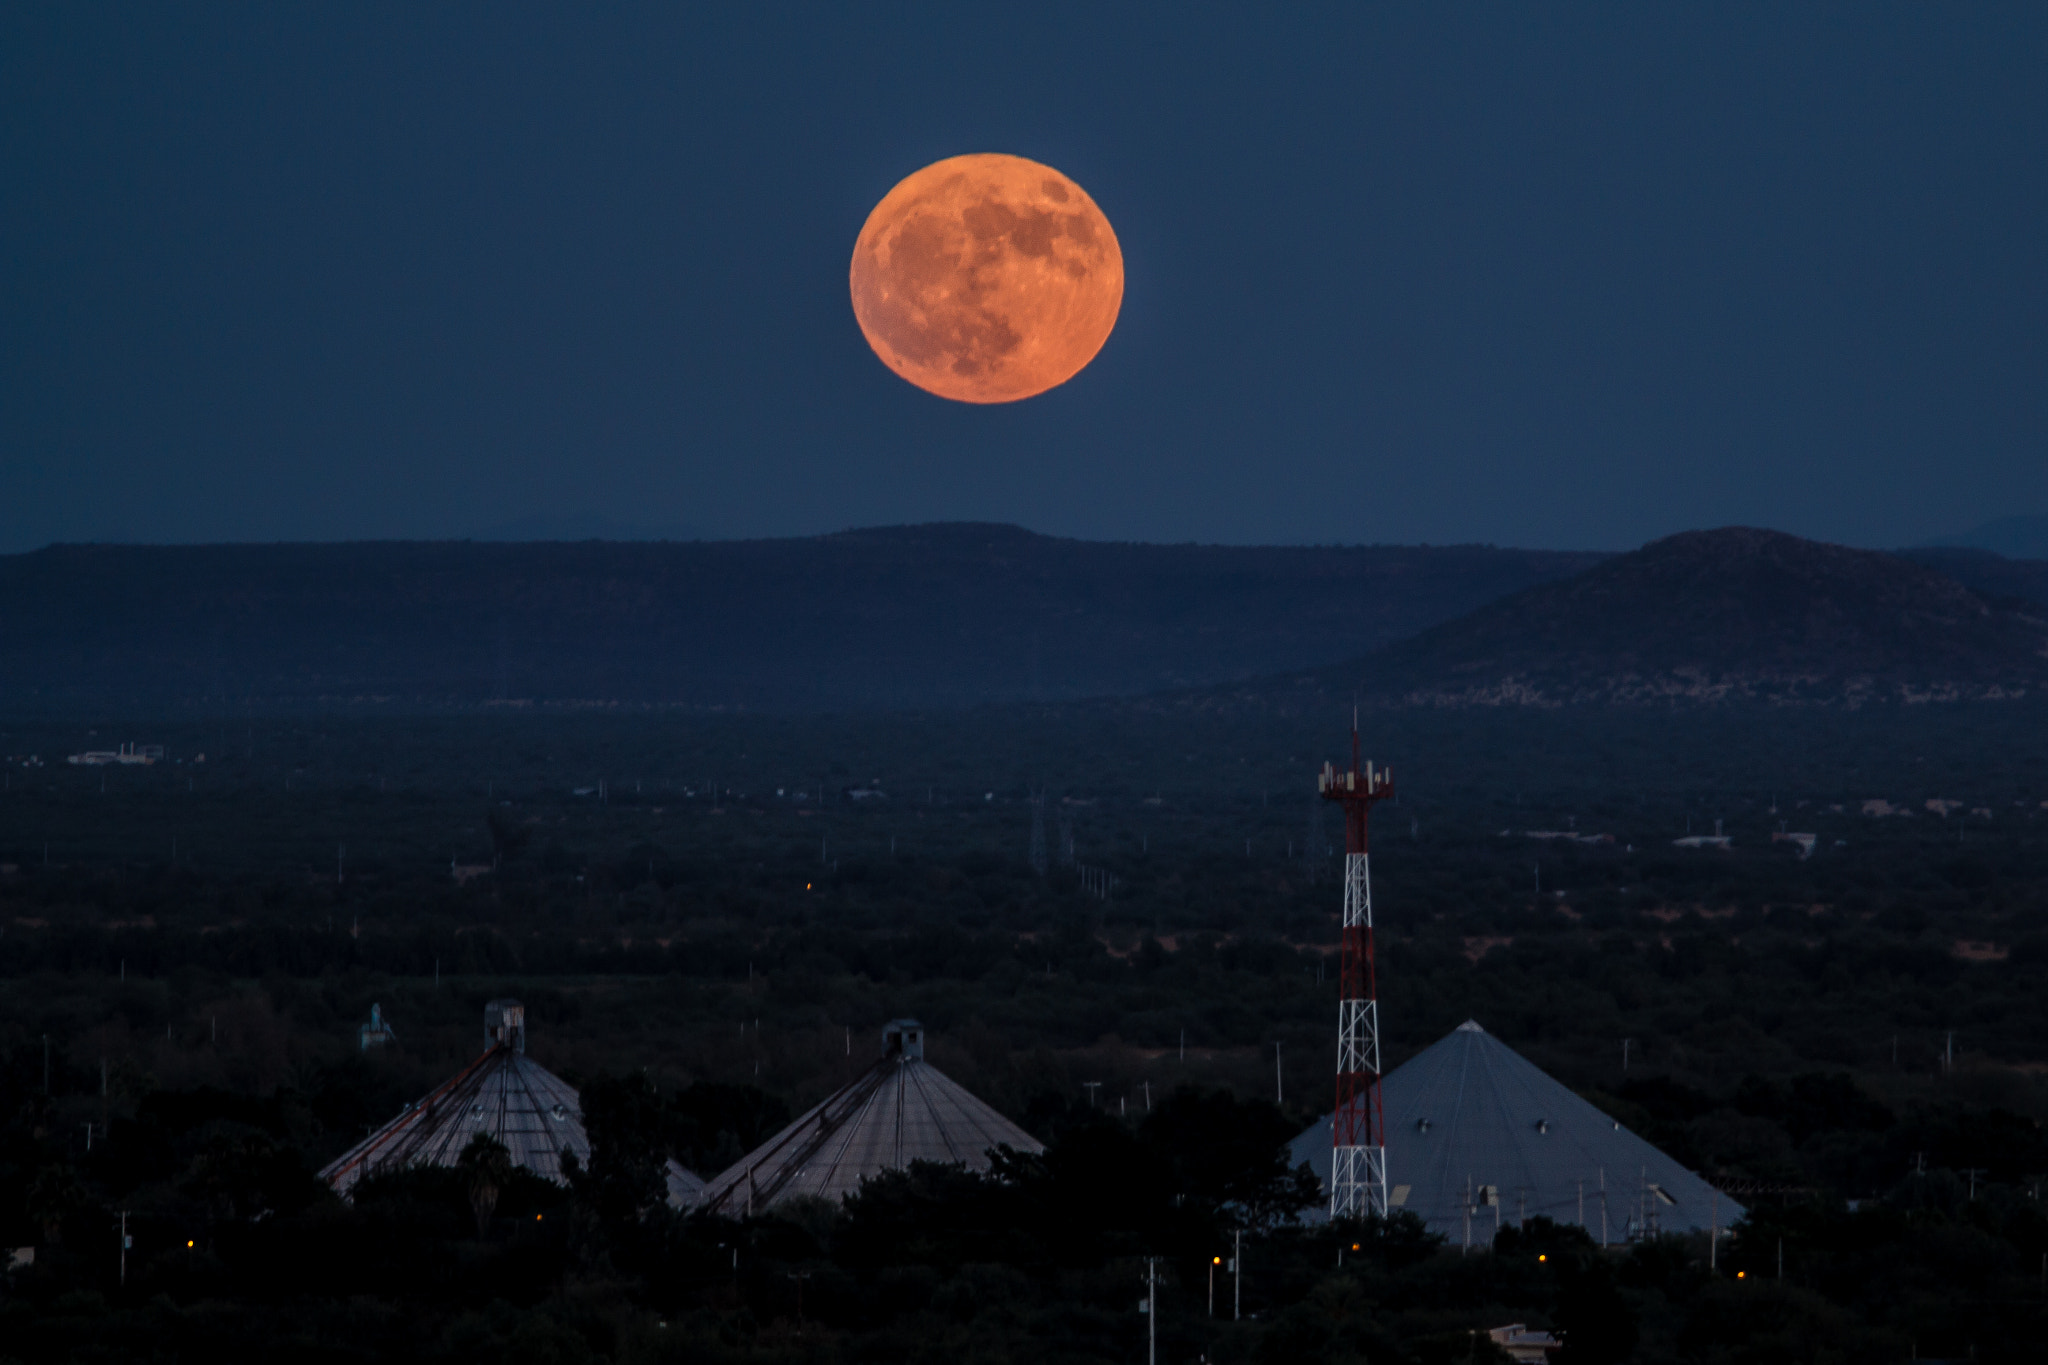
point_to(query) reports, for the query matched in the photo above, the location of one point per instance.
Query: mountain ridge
(957, 614)
(939, 615)
(1726, 615)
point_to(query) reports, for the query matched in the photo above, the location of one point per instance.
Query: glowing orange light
(188, 1245)
(1215, 1260)
(1740, 1274)
(1541, 1258)
(986, 278)
(536, 1218)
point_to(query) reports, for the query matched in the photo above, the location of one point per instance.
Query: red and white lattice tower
(1358, 1157)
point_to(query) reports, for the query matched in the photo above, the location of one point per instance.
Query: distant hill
(906, 617)
(1726, 615)
(1991, 574)
(2013, 537)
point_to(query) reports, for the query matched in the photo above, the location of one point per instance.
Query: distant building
(1523, 1346)
(126, 754)
(376, 1033)
(902, 1109)
(1805, 842)
(1705, 841)
(1479, 1138)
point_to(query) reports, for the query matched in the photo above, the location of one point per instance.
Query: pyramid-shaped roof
(685, 1186)
(505, 1093)
(1479, 1138)
(902, 1109)
(522, 1104)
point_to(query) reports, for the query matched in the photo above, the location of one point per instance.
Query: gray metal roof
(685, 1186)
(535, 1113)
(1478, 1138)
(902, 1109)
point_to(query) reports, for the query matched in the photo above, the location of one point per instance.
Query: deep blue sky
(1539, 275)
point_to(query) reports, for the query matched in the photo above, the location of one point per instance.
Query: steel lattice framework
(1358, 1159)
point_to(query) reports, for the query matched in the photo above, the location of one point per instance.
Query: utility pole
(1151, 1310)
(1279, 1078)
(1236, 1274)
(126, 1242)
(1624, 1052)
(799, 1276)
(1215, 1261)
(1038, 832)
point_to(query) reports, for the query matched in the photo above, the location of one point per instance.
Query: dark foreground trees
(239, 1254)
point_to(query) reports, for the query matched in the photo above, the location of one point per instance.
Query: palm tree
(488, 1165)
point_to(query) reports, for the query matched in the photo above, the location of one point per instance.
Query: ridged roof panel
(901, 1110)
(1469, 1112)
(522, 1104)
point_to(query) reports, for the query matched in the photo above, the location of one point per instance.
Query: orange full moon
(987, 278)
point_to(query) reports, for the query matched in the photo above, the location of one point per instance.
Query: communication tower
(1358, 1159)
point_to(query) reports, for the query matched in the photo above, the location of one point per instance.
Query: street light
(1214, 1261)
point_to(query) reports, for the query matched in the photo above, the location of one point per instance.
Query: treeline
(237, 1252)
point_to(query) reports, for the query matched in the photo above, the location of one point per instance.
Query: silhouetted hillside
(1710, 616)
(1733, 614)
(1993, 575)
(2020, 537)
(923, 616)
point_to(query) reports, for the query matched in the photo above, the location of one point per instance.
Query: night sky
(1538, 275)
